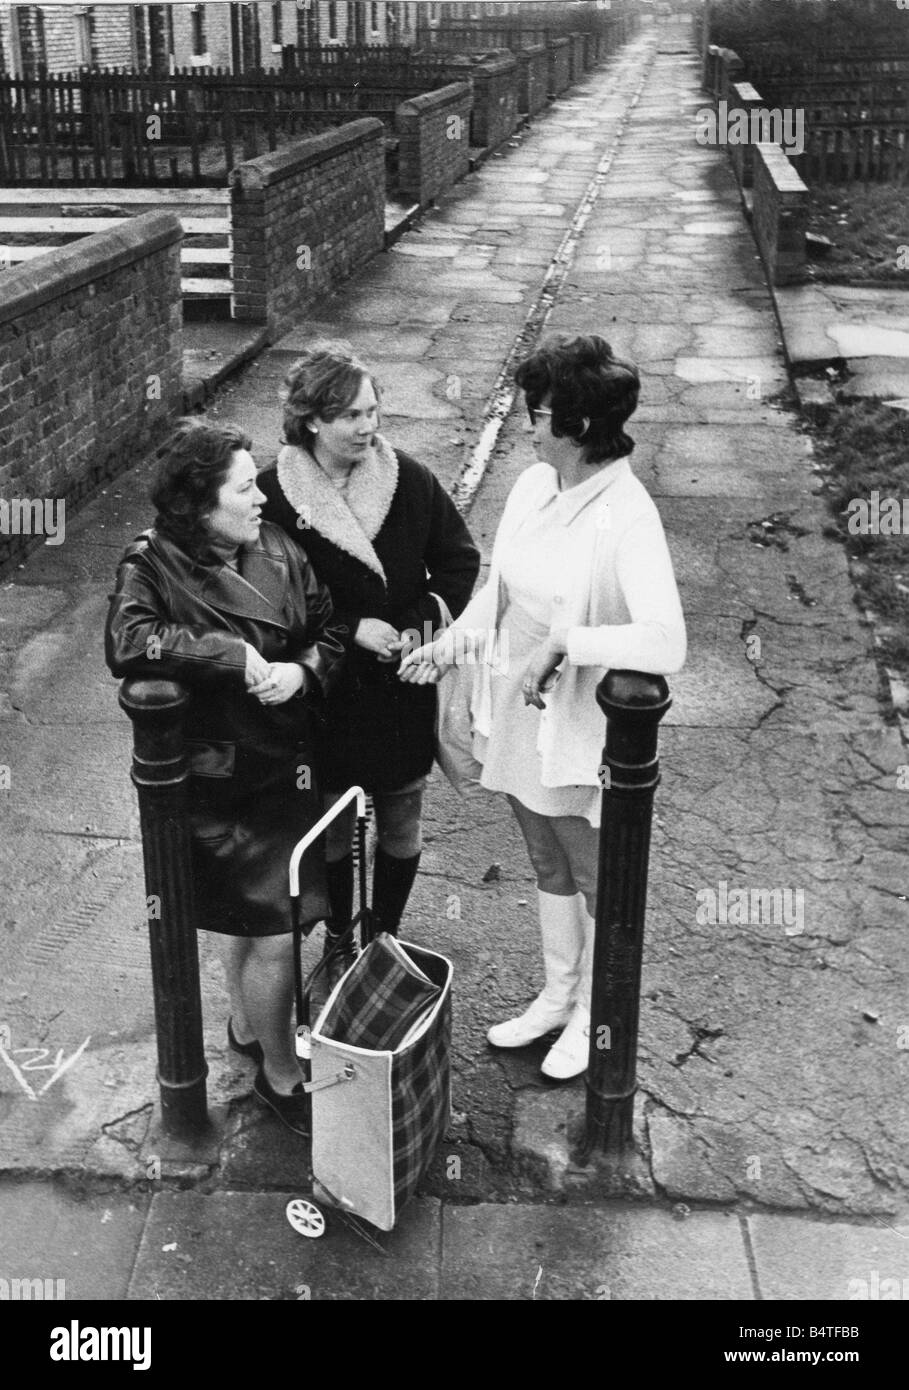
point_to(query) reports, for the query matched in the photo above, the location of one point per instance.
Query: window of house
(332, 19)
(82, 29)
(277, 24)
(374, 16)
(197, 19)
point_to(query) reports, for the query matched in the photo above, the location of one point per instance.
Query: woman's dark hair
(323, 382)
(193, 463)
(584, 382)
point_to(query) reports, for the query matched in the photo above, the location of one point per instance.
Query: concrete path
(774, 1035)
(238, 1245)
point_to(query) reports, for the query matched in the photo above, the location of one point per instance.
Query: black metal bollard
(159, 773)
(633, 705)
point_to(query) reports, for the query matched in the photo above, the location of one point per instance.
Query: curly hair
(193, 463)
(323, 382)
(591, 393)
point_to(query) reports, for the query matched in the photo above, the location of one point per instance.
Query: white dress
(532, 570)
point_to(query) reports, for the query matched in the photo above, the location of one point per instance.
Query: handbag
(454, 728)
(454, 723)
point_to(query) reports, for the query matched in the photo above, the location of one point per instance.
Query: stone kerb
(434, 141)
(90, 369)
(305, 218)
(559, 66)
(495, 101)
(533, 78)
(780, 217)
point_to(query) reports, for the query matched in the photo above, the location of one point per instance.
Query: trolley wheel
(305, 1217)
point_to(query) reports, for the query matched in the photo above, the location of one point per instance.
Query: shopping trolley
(376, 1063)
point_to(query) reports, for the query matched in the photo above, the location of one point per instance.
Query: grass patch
(864, 448)
(868, 225)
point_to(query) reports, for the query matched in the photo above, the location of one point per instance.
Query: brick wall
(495, 101)
(90, 363)
(216, 32)
(780, 217)
(559, 66)
(745, 97)
(533, 78)
(304, 219)
(434, 141)
(111, 36)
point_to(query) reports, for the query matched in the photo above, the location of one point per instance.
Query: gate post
(633, 704)
(159, 773)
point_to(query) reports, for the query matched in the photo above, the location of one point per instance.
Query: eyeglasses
(534, 411)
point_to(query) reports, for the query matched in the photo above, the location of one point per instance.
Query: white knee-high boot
(563, 947)
(568, 1057)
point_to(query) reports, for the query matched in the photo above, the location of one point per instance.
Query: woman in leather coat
(224, 603)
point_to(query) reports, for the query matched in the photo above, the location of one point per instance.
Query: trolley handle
(300, 848)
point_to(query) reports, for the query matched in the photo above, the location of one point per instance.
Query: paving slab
(590, 1254)
(86, 1241)
(239, 1245)
(800, 1259)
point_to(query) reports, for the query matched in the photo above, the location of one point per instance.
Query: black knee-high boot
(339, 880)
(392, 880)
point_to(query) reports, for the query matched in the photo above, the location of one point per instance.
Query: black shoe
(252, 1050)
(292, 1110)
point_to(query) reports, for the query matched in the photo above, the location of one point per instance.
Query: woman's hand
(257, 667)
(425, 665)
(538, 676)
(380, 637)
(283, 680)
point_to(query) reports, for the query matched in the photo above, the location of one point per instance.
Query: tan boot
(563, 945)
(569, 1056)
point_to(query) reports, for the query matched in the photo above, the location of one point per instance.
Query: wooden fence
(852, 152)
(113, 127)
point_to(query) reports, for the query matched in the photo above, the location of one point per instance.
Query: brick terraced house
(240, 37)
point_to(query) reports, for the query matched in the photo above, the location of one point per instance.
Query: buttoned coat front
(253, 789)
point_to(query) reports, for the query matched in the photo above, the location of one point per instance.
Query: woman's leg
(560, 930)
(399, 832)
(233, 951)
(579, 842)
(267, 985)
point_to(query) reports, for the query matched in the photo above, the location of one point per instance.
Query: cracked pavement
(773, 1061)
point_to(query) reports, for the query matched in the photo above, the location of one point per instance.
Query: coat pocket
(211, 759)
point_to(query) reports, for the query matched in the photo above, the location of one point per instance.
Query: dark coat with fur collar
(398, 542)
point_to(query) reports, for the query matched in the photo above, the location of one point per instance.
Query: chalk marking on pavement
(66, 1065)
(17, 1073)
(502, 396)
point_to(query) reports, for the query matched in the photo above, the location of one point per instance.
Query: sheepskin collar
(350, 522)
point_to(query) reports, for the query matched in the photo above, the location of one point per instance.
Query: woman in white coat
(581, 581)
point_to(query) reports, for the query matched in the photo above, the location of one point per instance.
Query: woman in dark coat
(399, 562)
(222, 602)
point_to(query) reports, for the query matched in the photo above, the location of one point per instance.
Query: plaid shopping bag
(380, 1113)
(381, 1000)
